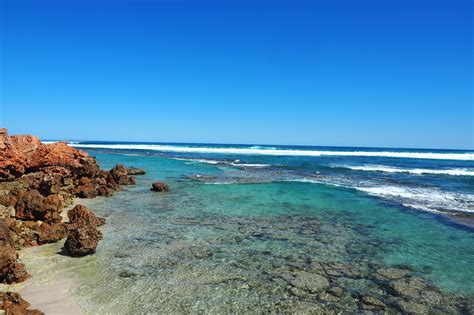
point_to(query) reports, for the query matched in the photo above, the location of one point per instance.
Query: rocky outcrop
(36, 181)
(13, 304)
(26, 154)
(160, 187)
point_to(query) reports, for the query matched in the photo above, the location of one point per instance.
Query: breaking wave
(426, 199)
(257, 150)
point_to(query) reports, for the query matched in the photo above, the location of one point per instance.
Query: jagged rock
(13, 304)
(31, 205)
(11, 270)
(83, 235)
(50, 233)
(12, 163)
(7, 250)
(86, 191)
(135, 171)
(23, 233)
(82, 216)
(105, 191)
(16, 273)
(82, 241)
(120, 175)
(26, 154)
(160, 187)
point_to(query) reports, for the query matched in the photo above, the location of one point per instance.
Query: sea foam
(427, 199)
(416, 171)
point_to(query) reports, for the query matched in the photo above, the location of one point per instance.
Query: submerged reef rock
(11, 270)
(160, 187)
(13, 304)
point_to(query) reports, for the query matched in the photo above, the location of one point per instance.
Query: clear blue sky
(358, 73)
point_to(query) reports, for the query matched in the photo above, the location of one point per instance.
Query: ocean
(237, 215)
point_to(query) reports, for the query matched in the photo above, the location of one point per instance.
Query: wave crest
(279, 152)
(416, 171)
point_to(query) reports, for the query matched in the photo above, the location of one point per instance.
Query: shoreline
(53, 295)
(39, 187)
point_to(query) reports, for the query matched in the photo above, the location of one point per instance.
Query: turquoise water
(224, 237)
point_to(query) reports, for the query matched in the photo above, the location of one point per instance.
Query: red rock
(120, 175)
(31, 205)
(7, 250)
(13, 304)
(160, 187)
(26, 154)
(16, 273)
(105, 191)
(12, 164)
(11, 270)
(56, 154)
(86, 191)
(50, 233)
(82, 241)
(82, 216)
(26, 146)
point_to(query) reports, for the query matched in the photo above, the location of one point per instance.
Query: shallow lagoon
(268, 246)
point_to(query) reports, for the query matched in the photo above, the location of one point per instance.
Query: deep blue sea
(247, 210)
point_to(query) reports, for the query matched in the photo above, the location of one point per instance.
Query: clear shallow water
(230, 233)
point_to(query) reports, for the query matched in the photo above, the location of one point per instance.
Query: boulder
(160, 187)
(17, 273)
(13, 304)
(82, 241)
(82, 216)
